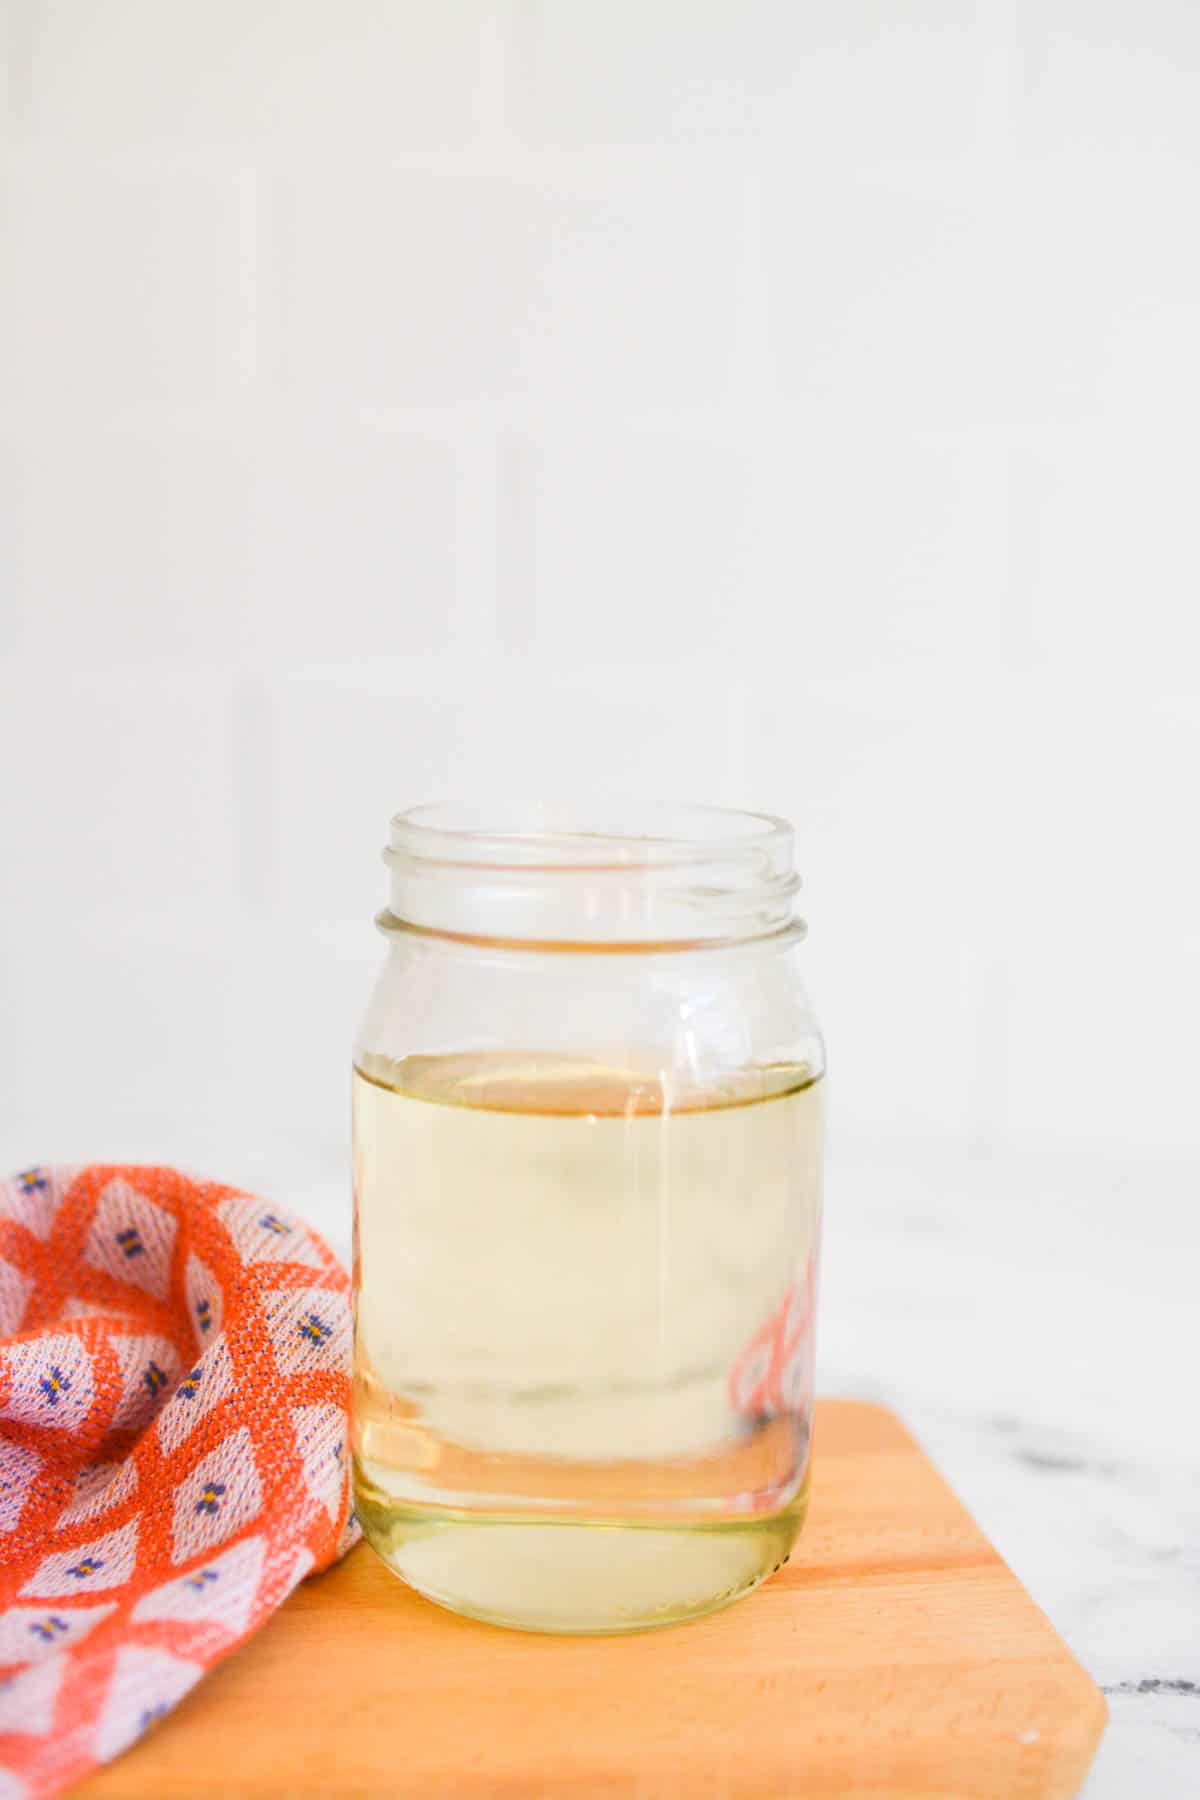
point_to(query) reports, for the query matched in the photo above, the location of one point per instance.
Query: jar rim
(557, 837)
(592, 871)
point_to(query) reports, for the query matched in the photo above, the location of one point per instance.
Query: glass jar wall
(587, 1166)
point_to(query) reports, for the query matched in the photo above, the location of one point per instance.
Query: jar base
(577, 1577)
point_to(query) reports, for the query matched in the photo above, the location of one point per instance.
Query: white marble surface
(1032, 1319)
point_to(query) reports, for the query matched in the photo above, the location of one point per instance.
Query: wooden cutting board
(895, 1656)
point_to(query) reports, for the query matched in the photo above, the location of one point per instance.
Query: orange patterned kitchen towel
(174, 1378)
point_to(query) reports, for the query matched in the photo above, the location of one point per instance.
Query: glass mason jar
(587, 1174)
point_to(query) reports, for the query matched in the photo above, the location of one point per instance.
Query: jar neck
(667, 879)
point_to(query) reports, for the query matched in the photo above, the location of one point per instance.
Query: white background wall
(789, 404)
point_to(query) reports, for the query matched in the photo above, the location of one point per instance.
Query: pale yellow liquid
(562, 1271)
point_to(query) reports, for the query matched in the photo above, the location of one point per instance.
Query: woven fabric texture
(174, 1384)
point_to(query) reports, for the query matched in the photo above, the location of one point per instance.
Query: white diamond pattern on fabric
(149, 1371)
(51, 1382)
(18, 1466)
(220, 1591)
(32, 1633)
(198, 1390)
(132, 1239)
(145, 1685)
(97, 1490)
(310, 1329)
(33, 1197)
(76, 1308)
(106, 1562)
(205, 1301)
(14, 1297)
(27, 1702)
(220, 1495)
(303, 1563)
(265, 1234)
(321, 1441)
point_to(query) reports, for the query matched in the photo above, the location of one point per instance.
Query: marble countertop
(1032, 1319)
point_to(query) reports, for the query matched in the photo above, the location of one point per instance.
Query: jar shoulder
(706, 1011)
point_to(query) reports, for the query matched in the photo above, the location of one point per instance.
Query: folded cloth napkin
(174, 1382)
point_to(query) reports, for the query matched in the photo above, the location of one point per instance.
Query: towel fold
(174, 1385)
